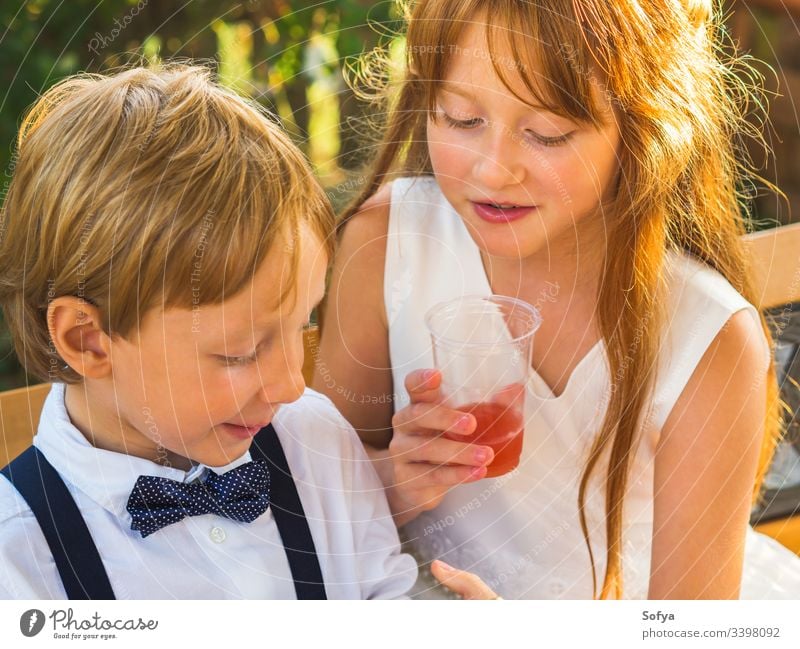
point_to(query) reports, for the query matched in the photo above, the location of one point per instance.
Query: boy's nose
(282, 382)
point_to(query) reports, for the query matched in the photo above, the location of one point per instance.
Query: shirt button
(217, 534)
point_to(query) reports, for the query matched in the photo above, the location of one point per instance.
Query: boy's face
(199, 383)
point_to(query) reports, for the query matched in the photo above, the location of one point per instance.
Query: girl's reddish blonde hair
(681, 104)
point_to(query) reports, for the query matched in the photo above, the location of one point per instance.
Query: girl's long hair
(682, 103)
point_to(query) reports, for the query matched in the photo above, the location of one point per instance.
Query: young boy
(163, 244)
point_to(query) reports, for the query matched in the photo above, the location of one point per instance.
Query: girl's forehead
(478, 42)
(492, 59)
(475, 78)
(488, 55)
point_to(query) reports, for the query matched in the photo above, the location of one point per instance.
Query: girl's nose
(498, 163)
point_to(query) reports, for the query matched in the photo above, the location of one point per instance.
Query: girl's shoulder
(403, 194)
(699, 304)
(408, 205)
(689, 283)
(420, 218)
(413, 195)
(399, 205)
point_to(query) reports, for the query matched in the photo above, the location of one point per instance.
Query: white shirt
(210, 557)
(521, 532)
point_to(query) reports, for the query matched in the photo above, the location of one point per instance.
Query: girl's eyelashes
(461, 123)
(550, 141)
(474, 122)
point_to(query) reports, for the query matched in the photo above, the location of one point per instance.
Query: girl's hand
(426, 465)
(461, 582)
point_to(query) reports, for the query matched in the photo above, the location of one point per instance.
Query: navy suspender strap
(290, 517)
(76, 556)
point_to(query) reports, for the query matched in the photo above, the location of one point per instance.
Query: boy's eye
(235, 361)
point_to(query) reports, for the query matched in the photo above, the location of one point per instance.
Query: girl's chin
(506, 245)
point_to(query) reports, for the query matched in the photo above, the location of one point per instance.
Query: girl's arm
(416, 465)
(706, 463)
(353, 367)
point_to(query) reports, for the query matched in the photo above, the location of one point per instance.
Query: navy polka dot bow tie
(241, 494)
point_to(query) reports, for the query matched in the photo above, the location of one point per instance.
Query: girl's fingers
(438, 450)
(461, 582)
(421, 477)
(422, 382)
(423, 417)
(428, 396)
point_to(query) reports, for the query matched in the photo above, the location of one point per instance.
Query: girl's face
(523, 179)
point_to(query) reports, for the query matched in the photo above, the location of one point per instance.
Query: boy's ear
(76, 330)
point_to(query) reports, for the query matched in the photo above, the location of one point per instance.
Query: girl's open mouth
(495, 213)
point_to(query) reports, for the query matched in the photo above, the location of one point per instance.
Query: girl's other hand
(461, 582)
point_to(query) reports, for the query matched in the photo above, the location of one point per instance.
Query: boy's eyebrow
(264, 326)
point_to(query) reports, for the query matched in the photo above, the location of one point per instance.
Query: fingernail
(481, 455)
(445, 566)
(464, 422)
(478, 472)
(427, 375)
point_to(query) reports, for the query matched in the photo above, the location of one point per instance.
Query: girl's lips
(242, 432)
(492, 214)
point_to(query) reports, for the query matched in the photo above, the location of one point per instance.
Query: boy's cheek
(226, 393)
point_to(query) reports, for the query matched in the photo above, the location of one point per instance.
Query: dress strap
(290, 517)
(77, 559)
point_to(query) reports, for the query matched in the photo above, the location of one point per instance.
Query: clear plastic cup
(483, 347)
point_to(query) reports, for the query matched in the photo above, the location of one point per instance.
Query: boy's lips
(501, 212)
(243, 432)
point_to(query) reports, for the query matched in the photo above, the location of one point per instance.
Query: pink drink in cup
(483, 346)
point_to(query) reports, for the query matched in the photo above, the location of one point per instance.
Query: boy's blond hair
(150, 187)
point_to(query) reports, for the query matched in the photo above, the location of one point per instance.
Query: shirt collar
(106, 477)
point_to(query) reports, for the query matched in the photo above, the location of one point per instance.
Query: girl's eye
(461, 123)
(550, 141)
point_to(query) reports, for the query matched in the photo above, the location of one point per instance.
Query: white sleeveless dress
(521, 532)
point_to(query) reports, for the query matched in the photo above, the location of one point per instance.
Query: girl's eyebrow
(449, 86)
(456, 89)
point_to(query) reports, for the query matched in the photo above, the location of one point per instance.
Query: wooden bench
(775, 258)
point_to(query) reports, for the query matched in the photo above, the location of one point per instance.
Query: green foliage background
(286, 54)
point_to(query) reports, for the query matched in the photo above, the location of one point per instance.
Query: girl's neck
(569, 267)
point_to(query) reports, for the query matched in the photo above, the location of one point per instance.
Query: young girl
(579, 155)
(163, 243)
